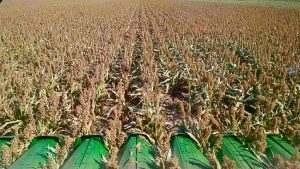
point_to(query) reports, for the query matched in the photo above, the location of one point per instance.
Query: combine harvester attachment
(89, 153)
(188, 153)
(233, 149)
(4, 141)
(279, 147)
(38, 153)
(137, 152)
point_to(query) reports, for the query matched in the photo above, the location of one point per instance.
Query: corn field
(73, 68)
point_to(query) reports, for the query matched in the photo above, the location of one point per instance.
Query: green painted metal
(137, 152)
(89, 152)
(37, 154)
(279, 147)
(4, 141)
(234, 150)
(188, 153)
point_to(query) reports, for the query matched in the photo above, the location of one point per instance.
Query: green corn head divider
(234, 150)
(278, 146)
(4, 141)
(37, 154)
(137, 152)
(188, 153)
(88, 153)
